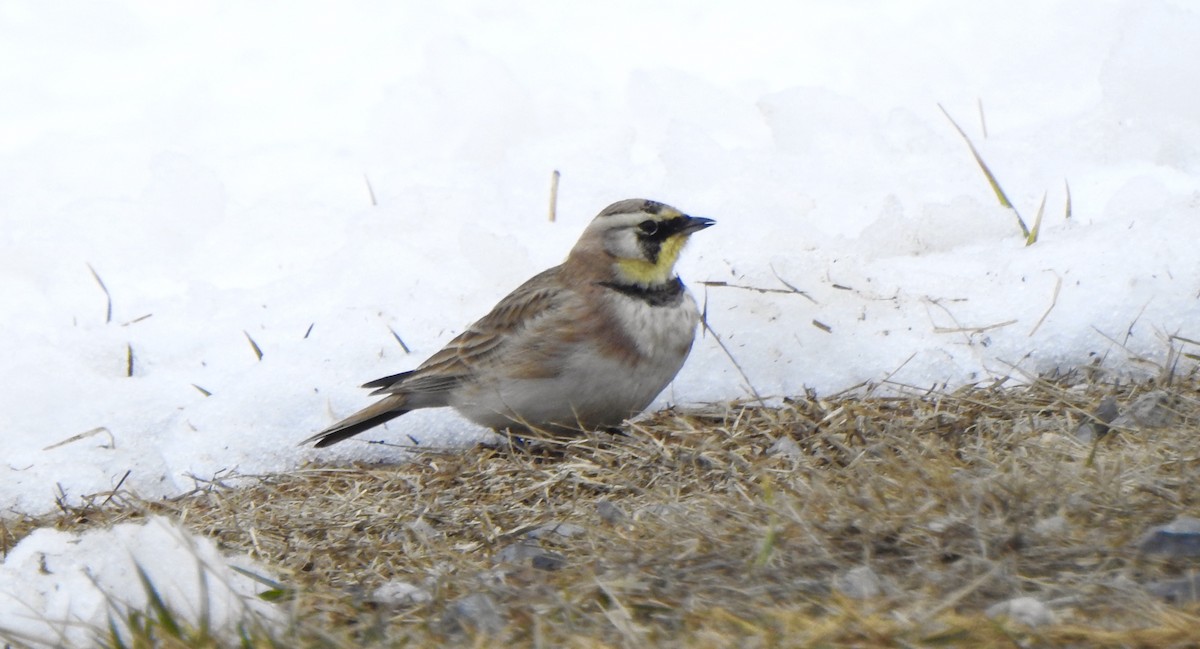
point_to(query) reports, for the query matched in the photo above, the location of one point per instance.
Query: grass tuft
(159, 625)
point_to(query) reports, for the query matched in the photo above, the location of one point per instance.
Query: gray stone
(1176, 591)
(1106, 411)
(1179, 538)
(476, 613)
(1155, 409)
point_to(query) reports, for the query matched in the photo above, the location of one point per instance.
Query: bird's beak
(695, 224)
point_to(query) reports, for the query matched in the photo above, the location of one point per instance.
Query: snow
(67, 594)
(216, 169)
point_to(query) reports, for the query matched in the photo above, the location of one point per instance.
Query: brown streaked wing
(458, 360)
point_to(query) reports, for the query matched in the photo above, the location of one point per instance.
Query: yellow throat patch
(648, 273)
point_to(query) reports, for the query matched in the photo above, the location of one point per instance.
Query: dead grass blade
(107, 296)
(258, 353)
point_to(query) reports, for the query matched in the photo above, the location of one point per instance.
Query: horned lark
(584, 345)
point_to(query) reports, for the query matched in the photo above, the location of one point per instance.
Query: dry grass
(690, 533)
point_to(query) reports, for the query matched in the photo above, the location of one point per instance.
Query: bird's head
(643, 239)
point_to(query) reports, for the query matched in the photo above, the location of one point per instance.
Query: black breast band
(666, 294)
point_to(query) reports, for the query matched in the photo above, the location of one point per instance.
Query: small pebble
(476, 612)
(558, 531)
(944, 524)
(400, 593)
(516, 553)
(529, 554)
(787, 448)
(1054, 526)
(1023, 610)
(423, 530)
(548, 561)
(659, 510)
(859, 583)
(609, 512)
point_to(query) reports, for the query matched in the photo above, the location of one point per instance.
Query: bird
(581, 346)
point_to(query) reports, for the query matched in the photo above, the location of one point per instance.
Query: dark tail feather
(381, 386)
(369, 417)
(335, 435)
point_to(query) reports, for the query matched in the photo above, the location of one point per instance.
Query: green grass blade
(166, 618)
(114, 635)
(1037, 222)
(991, 178)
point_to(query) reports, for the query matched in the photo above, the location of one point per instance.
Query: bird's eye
(648, 226)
